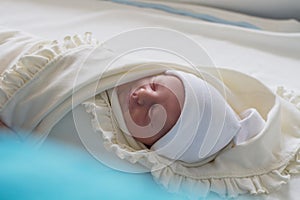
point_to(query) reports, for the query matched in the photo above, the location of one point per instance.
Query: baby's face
(151, 106)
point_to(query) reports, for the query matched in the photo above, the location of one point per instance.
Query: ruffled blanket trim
(289, 95)
(164, 170)
(36, 60)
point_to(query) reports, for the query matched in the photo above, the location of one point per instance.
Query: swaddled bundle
(48, 79)
(206, 125)
(258, 163)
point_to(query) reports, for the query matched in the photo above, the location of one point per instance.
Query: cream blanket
(42, 80)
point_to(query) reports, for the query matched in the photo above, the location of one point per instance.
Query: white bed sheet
(268, 8)
(272, 55)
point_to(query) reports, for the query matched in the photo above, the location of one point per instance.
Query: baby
(181, 116)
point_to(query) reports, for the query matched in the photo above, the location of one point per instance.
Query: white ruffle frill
(35, 60)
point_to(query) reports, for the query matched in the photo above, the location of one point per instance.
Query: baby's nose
(145, 97)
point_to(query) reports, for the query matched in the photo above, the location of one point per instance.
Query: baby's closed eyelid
(153, 84)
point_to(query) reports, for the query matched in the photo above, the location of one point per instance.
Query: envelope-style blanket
(43, 80)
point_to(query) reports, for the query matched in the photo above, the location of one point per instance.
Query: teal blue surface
(56, 171)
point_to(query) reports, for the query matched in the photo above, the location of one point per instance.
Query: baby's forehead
(161, 78)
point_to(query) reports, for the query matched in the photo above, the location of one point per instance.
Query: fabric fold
(39, 66)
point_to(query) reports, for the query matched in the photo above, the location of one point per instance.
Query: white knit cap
(206, 124)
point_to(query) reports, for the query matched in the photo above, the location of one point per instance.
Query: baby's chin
(149, 141)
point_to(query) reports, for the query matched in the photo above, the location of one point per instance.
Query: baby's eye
(153, 86)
